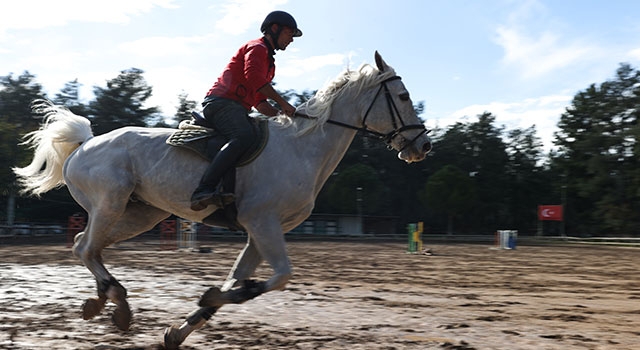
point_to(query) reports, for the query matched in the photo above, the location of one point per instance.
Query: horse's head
(391, 116)
(378, 97)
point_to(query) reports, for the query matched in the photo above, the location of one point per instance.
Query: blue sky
(523, 61)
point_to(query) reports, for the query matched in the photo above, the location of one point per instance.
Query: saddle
(200, 137)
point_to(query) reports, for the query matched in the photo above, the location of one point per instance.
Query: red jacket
(251, 68)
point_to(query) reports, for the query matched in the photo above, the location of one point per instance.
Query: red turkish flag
(550, 212)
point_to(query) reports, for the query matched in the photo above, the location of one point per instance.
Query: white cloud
(535, 56)
(35, 14)
(297, 67)
(162, 46)
(243, 15)
(543, 112)
(169, 81)
(634, 54)
(535, 43)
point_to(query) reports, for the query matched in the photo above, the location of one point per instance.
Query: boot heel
(198, 206)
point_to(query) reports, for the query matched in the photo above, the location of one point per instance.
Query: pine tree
(122, 103)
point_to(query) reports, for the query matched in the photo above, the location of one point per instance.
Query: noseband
(394, 114)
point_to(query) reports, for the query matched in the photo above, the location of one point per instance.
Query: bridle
(393, 112)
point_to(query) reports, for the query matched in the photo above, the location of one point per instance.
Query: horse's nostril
(426, 148)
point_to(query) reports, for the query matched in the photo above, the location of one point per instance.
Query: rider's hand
(288, 109)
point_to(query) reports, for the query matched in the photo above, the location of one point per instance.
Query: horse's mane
(348, 84)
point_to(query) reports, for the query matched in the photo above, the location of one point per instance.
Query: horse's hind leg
(92, 306)
(106, 227)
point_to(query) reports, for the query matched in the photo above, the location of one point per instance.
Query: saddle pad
(207, 142)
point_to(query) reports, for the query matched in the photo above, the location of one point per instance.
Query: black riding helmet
(282, 19)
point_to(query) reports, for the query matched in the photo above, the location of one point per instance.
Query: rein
(393, 112)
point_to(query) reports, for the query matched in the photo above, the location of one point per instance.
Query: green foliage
(185, 106)
(449, 192)
(529, 182)
(478, 150)
(598, 155)
(16, 120)
(69, 97)
(16, 94)
(357, 185)
(297, 98)
(121, 103)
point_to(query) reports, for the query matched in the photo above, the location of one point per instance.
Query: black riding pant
(230, 119)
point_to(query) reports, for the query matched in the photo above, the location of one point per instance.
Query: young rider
(244, 83)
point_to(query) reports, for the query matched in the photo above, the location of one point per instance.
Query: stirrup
(200, 201)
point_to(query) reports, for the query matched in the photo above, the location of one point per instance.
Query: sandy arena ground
(343, 295)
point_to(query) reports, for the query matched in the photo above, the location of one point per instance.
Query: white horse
(129, 180)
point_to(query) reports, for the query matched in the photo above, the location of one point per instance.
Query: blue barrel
(513, 238)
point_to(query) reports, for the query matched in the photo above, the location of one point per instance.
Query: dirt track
(343, 296)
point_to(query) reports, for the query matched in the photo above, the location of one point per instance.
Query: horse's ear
(382, 65)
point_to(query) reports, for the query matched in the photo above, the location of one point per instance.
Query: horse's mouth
(414, 155)
(414, 158)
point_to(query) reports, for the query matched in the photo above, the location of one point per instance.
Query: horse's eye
(404, 96)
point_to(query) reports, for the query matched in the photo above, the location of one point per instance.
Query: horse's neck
(327, 146)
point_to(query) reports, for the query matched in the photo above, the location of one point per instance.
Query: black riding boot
(208, 192)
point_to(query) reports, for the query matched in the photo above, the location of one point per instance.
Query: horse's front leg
(209, 303)
(245, 265)
(236, 289)
(242, 270)
(268, 244)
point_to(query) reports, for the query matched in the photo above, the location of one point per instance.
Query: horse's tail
(61, 133)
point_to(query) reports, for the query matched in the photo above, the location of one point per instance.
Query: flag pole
(564, 212)
(539, 234)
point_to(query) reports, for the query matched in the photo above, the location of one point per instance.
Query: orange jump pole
(168, 230)
(75, 225)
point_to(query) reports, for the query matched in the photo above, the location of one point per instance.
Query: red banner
(550, 212)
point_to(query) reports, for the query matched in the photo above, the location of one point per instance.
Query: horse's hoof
(92, 307)
(211, 298)
(122, 316)
(172, 338)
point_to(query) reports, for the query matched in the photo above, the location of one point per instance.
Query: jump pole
(414, 243)
(75, 225)
(187, 233)
(411, 228)
(168, 234)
